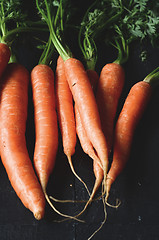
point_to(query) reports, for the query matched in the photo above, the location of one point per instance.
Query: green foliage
(141, 19)
(98, 18)
(57, 15)
(11, 16)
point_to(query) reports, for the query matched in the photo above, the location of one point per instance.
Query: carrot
(46, 143)
(64, 104)
(4, 57)
(129, 117)
(14, 154)
(110, 86)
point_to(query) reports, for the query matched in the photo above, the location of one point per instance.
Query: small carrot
(110, 86)
(65, 110)
(127, 122)
(14, 154)
(64, 104)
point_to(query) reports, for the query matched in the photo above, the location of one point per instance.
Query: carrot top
(153, 77)
(13, 21)
(52, 12)
(98, 17)
(138, 21)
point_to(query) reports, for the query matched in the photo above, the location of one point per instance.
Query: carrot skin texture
(127, 122)
(65, 111)
(46, 129)
(110, 85)
(14, 154)
(4, 57)
(84, 98)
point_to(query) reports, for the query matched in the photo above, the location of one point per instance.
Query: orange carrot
(85, 100)
(46, 130)
(14, 154)
(4, 57)
(129, 117)
(64, 104)
(109, 89)
(65, 110)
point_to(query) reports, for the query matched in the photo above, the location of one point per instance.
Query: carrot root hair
(76, 175)
(57, 211)
(105, 216)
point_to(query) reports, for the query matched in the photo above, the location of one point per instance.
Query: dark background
(137, 187)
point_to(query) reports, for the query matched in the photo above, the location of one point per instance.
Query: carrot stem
(153, 77)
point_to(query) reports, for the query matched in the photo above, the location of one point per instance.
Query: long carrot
(127, 122)
(46, 142)
(64, 104)
(14, 154)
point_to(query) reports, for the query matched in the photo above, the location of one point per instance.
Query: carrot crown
(153, 77)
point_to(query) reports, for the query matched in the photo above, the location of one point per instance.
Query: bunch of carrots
(75, 97)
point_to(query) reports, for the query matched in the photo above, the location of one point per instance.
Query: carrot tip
(38, 215)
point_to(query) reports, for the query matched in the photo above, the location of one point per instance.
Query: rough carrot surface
(45, 116)
(14, 154)
(110, 85)
(129, 117)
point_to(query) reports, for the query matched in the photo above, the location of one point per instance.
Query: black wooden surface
(137, 187)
